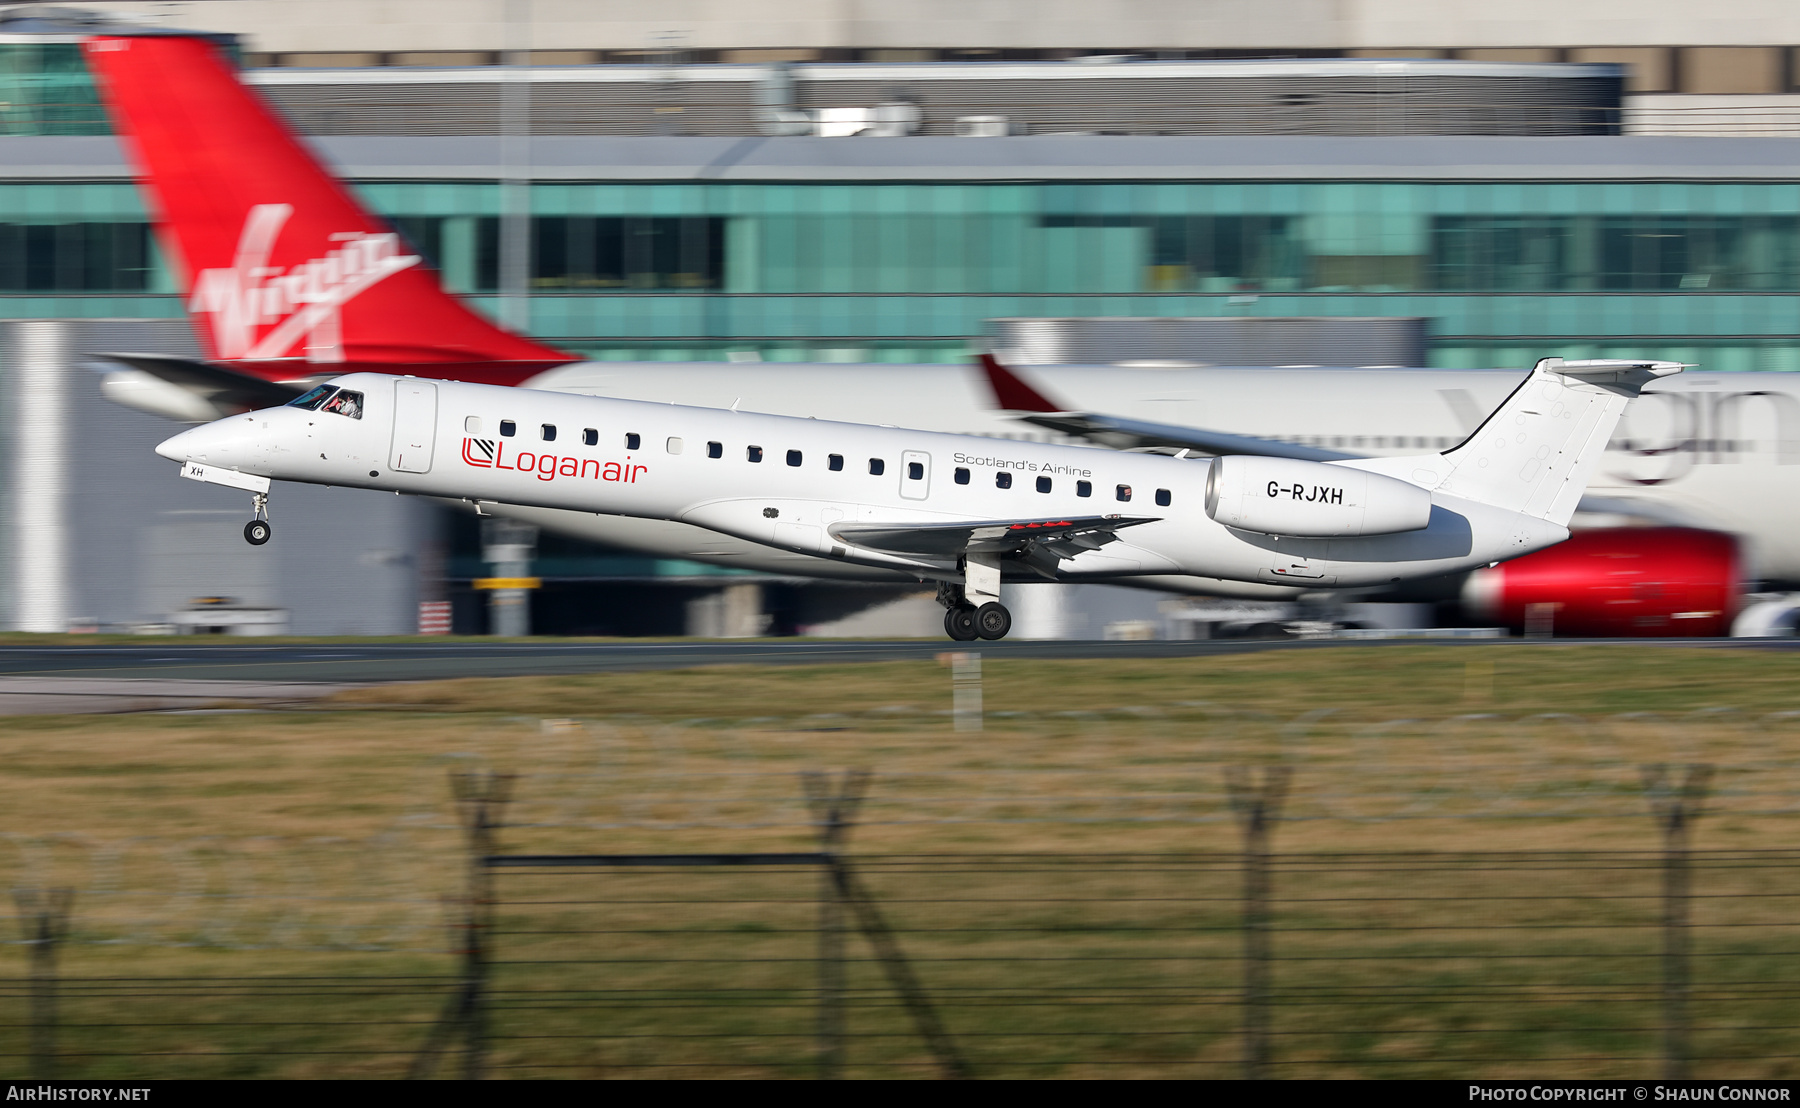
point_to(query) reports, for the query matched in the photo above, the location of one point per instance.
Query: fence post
(481, 797)
(1256, 798)
(1675, 808)
(44, 922)
(843, 895)
(833, 807)
(965, 683)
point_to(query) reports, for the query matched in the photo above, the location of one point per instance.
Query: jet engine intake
(1285, 496)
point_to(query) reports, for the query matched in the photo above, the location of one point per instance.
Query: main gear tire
(959, 624)
(257, 532)
(992, 621)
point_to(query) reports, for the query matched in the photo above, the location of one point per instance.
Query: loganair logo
(491, 454)
(295, 304)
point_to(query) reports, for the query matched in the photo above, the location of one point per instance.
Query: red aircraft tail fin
(286, 274)
(1012, 393)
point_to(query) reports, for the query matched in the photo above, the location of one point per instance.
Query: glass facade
(1507, 272)
(45, 90)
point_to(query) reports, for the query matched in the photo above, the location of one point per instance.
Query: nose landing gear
(258, 531)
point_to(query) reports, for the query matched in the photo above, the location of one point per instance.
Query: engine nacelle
(1615, 582)
(1283, 496)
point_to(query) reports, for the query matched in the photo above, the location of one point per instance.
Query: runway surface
(33, 676)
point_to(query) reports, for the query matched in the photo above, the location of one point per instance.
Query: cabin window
(793, 457)
(312, 398)
(962, 475)
(344, 403)
(508, 428)
(715, 450)
(1003, 480)
(1084, 488)
(915, 471)
(673, 446)
(590, 436)
(472, 425)
(1043, 484)
(633, 440)
(1122, 493)
(754, 453)
(834, 462)
(877, 467)
(548, 432)
(1163, 498)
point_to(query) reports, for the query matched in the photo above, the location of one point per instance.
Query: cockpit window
(345, 403)
(312, 398)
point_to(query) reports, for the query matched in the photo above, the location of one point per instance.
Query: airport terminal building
(842, 214)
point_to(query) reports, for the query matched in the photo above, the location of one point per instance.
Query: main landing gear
(965, 623)
(257, 531)
(973, 610)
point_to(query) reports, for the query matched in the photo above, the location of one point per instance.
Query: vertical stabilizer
(1537, 451)
(287, 275)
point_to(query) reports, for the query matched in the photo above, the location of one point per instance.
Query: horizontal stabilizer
(1627, 378)
(1063, 537)
(227, 388)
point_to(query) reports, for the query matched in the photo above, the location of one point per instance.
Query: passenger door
(415, 425)
(915, 474)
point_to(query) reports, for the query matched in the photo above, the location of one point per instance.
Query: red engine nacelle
(1616, 582)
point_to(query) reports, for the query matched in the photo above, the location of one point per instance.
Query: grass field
(233, 857)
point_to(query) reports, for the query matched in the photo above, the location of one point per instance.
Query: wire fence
(1255, 962)
(656, 900)
(719, 781)
(1422, 965)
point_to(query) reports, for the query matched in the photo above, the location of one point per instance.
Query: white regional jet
(290, 280)
(960, 510)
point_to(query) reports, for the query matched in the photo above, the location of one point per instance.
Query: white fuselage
(657, 462)
(1707, 449)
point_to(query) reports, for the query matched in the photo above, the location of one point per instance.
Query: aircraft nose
(215, 442)
(178, 448)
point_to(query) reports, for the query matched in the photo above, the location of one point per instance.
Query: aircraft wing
(226, 388)
(1137, 434)
(1011, 392)
(1063, 538)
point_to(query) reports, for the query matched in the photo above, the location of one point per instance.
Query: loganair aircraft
(290, 282)
(964, 511)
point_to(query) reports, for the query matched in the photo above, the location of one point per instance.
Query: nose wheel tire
(992, 621)
(257, 532)
(959, 624)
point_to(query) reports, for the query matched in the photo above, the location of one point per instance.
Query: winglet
(1012, 393)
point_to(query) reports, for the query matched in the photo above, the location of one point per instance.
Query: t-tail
(287, 276)
(1535, 454)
